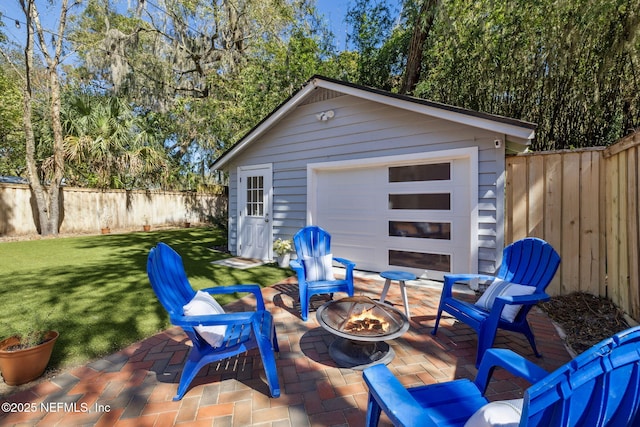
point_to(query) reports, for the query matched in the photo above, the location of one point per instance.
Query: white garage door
(414, 216)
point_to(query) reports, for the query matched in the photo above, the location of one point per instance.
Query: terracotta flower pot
(146, 227)
(24, 365)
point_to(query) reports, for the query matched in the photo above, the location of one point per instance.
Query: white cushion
(502, 413)
(319, 268)
(501, 288)
(204, 304)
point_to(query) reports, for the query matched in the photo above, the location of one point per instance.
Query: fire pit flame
(366, 322)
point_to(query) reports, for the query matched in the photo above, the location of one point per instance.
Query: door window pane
(421, 230)
(431, 201)
(430, 172)
(255, 196)
(421, 260)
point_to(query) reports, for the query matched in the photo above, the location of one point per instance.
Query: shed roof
(522, 132)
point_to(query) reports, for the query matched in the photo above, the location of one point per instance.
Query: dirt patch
(586, 319)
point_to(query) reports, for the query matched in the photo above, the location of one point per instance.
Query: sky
(334, 12)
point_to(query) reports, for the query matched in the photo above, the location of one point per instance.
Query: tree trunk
(58, 152)
(32, 168)
(421, 29)
(48, 204)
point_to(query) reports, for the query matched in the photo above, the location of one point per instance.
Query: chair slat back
(312, 241)
(599, 387)
(168, 278)
(530, 261)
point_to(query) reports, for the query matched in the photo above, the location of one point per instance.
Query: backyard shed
(399, 182)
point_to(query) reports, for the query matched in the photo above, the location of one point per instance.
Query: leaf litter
(586, 319)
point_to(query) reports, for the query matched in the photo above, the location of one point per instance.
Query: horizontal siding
(232, 236)
(361, 129)
(374, 131)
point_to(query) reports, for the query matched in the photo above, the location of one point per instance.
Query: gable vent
(321, 94)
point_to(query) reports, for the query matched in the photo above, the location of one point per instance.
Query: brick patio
(134, 387)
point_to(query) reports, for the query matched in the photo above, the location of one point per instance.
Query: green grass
(94, 290)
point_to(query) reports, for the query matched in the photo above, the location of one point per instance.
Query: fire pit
(361, 325)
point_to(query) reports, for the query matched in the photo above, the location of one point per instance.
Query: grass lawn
(94, 289)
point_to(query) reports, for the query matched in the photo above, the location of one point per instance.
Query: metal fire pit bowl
(361, 325)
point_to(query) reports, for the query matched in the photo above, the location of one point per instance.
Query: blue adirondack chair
(530, 262)
(313, 247)
(600, 387)
(244, 331)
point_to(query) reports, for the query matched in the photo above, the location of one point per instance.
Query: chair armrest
(296, 264)
(466, 277)
(394, 399)
(512, 362)
(451, 279)
(213, 319)
(524, 299)
(345, 262)
(254, 289)
(348, 266)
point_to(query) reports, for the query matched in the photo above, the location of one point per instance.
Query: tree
(372, 25)
(47, 198)
(172, 49)
(108, 145)
(200, 67)
(12, 147)
(270, 74)
(423, 21)
(570, 67)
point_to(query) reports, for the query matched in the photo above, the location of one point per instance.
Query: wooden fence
(585, 203)
(623, 223)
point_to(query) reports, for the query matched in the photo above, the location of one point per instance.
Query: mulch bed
(586, 319)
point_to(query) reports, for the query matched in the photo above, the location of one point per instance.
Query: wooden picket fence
(586, 204)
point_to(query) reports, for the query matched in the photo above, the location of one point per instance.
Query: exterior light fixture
(325, 115)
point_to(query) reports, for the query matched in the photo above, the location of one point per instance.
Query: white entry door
(254, 212)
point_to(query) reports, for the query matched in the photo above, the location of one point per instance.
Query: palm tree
(108, 145)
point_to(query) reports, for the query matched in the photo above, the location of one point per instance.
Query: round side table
(401, 277)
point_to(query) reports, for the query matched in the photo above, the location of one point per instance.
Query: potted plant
(146, 226)
(25, 355)
(283, 249)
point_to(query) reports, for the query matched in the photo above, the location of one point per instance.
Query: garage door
(414, 216)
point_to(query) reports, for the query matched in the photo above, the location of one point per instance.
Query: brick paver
(134, 387)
